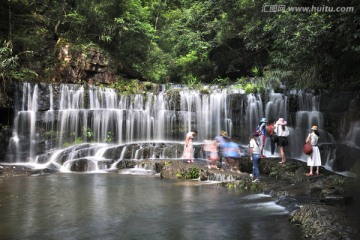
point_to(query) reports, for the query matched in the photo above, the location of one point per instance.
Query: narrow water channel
(117, 206)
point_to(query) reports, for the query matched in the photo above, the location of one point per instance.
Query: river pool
(127, 206)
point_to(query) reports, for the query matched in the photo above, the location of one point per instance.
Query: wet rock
(322, 222)
(337, 200)
(315, 191)
(14, 171)
(82, 165)
(125, 164)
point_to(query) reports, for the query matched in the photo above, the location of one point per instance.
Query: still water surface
(116, 206)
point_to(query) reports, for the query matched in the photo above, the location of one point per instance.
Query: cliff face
(341, 111)
(6, 116)
(88, 64)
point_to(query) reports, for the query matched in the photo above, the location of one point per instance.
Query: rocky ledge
(325, 206)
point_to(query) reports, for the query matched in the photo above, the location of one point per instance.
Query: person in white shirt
(255, 155)
(282, 131)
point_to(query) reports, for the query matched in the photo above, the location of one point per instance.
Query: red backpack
(270, 129)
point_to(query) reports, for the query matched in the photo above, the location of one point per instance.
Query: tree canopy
(192, 41)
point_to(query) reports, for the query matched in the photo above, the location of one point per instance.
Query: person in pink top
(188, 153)
(211, 152)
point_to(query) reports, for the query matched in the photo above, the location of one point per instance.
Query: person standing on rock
(188, 153)
(231, 153)
(314, 159)
(220, 140)
(282, 131)
(262, 129)
(211, 153)
(255, 155)
(270, 132)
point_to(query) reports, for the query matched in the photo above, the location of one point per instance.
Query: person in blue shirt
(262, 129)
(231, 153)
(220, 140)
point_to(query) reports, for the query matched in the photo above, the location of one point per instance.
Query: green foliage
(250, 88)
(275, 172)
(191, 81)
(179, 175)
(255, 71)
(109, 137)
(255, 187)
(8, 61)
(241, 184)
(221, 81)
(88, 132)
(126, 87)
(232, 185)
(23, 74)
(254, 85)
(10, 67)
(50, 133)
(155, 68)
(78, 140)
(192, 173)
(190, 42)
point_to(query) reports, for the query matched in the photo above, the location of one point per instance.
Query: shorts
(283, 141)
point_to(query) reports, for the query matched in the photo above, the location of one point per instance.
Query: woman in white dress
(188, 153)
(314, 159)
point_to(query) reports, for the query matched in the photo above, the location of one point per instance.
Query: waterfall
(90, 127)
(72, 115)
(24, 132)
(308, 114)
(353, 135)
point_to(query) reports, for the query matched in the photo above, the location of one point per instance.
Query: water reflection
(114, 206)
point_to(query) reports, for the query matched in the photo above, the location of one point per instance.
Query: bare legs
(233, 164)
(263, 138)
(282, 154)
(311, 171)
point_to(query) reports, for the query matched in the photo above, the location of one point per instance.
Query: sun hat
(263, 120)
(281, 121)
(315, 128)
(224, 134)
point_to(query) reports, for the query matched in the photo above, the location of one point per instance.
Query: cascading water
(91, 126)
(353, 136)
(73, 127)
(308, 114)
(24, 122)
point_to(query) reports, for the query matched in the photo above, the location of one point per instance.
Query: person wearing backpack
(261, 132)
(270, 126)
